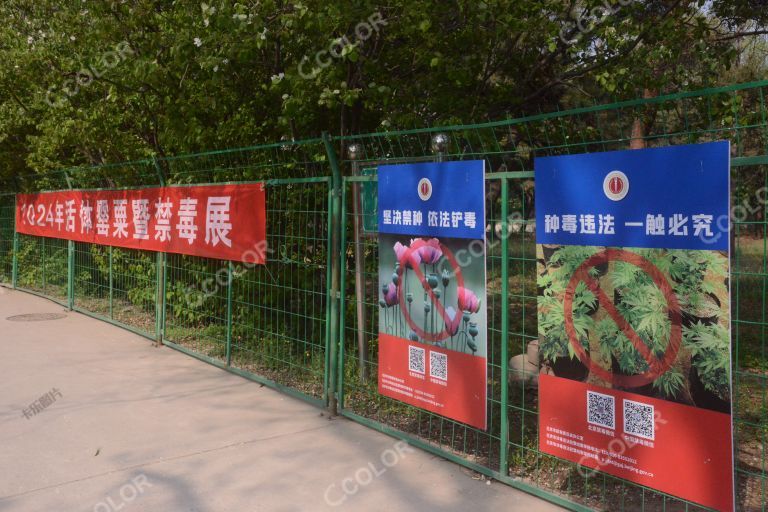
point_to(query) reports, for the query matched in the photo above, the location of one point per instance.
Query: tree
(87, 83)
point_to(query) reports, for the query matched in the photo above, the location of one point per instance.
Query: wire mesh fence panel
(134, 288)
(749, 288)
(196, 305)
(271, 323)
(94, 281)
(43, 267)
(279, 310)
(736, 113)
(116, 284)
(7, 216)
(359, 357)
(295, 159)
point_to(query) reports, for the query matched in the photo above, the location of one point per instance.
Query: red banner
(225, 222)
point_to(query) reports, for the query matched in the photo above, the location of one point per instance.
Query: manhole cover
(37, 317)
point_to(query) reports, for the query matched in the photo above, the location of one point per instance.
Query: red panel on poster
(458, 392)
(674, 454)
(218, 221)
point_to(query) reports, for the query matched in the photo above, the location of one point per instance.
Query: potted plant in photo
(555, 349)
(710, 370)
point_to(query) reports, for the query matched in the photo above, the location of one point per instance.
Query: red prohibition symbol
(455, 268)
(656, 366)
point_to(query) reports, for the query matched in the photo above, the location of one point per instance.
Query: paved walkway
(138, 428)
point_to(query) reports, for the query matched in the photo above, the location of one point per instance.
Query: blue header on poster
(445, 199)
(673, 197)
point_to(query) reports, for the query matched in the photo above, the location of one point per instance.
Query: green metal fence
(6, 239)
(268, 323)
(508, 450)
(306, 322)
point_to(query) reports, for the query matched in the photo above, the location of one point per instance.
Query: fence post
(336, 337)
(43, 262)
(15, 254)
(354, 151)
(71, 274)
(15, 261)
(160, 278)
(504, 431)
(111, 287)
(230, 282)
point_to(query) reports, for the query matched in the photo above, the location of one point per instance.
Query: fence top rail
(563, 113)
(175, 185)
(151, 162)
(272, 145)
(59, 172)
(267, 183)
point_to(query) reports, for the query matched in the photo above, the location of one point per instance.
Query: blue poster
(634, 317)
(443, 199)
(671, 197)
(433, 335)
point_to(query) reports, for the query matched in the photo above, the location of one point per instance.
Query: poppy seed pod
(432, 281)
(427, 308)
(473, 331)
(409, 297)
(446, 277)
(413, 336)
(395, 279)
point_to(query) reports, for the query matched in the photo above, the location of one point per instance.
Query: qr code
(639, 419)
(601, 410)
(438, 365)
(416, 359)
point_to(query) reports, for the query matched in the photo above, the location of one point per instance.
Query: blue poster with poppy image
(432, 293)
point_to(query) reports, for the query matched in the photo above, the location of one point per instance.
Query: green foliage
(670, 383)
(218, 74)
(709, 345)
(555, 342)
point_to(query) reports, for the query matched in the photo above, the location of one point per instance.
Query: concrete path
(137, 428)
